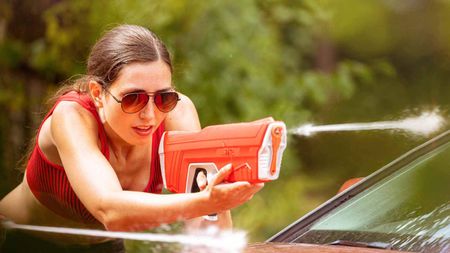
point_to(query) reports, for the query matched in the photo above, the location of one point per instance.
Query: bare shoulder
(69, 110)
(185, 105)
(184, 116)
(70, 119)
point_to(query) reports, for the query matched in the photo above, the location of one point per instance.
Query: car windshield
(409, 210)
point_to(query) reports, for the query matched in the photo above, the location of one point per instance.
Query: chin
(142, 140)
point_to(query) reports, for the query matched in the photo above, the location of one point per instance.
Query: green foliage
(11, 53)
(280, 202)
(242, 74)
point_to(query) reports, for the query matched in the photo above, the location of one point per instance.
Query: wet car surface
(403, 207)
(308, 248)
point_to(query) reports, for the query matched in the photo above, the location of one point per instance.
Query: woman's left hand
(224, 220)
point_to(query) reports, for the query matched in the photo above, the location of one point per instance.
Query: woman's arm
(91, 176)
(185, 117)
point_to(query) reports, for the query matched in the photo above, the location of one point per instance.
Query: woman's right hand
(224, 196)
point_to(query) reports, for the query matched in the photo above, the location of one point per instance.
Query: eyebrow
(137, 90)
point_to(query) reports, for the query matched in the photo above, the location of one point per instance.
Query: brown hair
(118, 47)
(122, 45)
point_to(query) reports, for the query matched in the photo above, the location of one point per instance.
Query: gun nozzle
(276, 141)
(277, 130)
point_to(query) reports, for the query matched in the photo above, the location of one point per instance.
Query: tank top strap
(86, 102)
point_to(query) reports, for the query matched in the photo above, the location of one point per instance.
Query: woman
(95, 161)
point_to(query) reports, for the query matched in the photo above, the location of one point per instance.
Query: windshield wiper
(377, 245)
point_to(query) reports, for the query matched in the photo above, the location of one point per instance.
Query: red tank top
(49, 183)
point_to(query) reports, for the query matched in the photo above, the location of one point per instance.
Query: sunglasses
(133, 102)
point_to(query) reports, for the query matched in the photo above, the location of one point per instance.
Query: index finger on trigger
(223, 173)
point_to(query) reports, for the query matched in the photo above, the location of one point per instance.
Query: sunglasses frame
(149, 94)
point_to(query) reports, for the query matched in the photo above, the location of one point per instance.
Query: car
(402, 207)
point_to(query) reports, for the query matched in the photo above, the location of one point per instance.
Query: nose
(148, 112)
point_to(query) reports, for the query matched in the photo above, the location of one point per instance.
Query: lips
(143, 130)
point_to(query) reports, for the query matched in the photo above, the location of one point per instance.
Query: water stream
(424, 124)
(223, 241)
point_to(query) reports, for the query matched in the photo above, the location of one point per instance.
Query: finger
(235, 186)
(249, 189)
(223, 173)
(201, 180)
(257, 187)
(241, 185)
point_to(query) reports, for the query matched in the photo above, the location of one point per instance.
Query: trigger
(245, 166)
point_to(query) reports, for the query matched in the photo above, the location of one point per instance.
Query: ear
(95, 89)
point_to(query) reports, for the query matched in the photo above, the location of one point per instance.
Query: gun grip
(196, 188)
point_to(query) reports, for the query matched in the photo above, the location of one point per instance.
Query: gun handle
(211, 217)
(196, 188)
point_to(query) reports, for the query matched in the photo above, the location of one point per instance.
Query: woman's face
(136, 128)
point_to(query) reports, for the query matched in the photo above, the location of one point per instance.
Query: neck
(121, 149)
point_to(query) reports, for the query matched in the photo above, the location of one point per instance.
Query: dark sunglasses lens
(134, 102)
(166, 101)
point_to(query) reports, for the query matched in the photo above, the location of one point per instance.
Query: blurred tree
(22, 86)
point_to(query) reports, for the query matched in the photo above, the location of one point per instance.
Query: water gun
(254, 149)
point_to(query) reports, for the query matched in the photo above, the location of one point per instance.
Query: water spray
(217, 241)
(425, 124)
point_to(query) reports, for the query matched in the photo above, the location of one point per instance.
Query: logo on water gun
(254, 149)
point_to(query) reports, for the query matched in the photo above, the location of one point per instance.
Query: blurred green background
(317, 61)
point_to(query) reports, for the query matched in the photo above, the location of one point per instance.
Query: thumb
(223, 173)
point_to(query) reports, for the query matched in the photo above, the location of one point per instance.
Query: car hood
(309, 248)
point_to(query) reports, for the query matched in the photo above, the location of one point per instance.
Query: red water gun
(254, 149)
